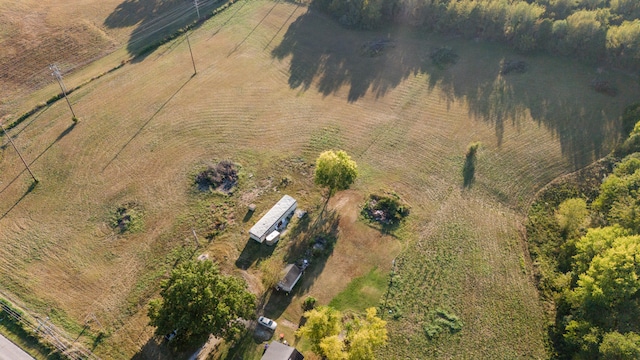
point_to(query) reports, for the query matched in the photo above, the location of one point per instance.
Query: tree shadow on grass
(336, 59)
(155, 20)
(157, 348)
(243, 345)
(276, 302)
(554, 92)
(468, 172)
(252, 252)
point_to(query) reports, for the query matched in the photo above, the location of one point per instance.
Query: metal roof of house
(274, 214)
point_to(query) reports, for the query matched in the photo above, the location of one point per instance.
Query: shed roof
(274, 214)
(292, 273)
(279, 351)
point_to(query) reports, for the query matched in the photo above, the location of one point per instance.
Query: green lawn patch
(362, 292)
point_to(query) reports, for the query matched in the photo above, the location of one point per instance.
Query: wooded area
(583, 237)
(593, 30)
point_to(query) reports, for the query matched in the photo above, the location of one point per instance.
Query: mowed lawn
(276, 85)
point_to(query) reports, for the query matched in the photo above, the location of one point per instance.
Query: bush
(127, 218)
(443, 57)
(309, 303)
(604, 87)
(509, 66)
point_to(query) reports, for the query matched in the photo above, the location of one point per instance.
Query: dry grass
(268, 92)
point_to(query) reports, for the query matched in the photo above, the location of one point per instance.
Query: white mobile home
(275, 219)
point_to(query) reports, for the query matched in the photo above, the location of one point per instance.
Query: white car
(266, 322)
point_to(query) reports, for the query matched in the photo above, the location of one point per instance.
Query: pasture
(276, 85)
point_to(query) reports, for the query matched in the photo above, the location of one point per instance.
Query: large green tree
(617, 346)
(613, 276)
(197, 300)
(571, 216)
(335, 170)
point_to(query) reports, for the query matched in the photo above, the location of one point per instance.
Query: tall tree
(335, 170)
(197, 301)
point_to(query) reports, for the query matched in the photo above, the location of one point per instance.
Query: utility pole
(197, 9)
(56, 73)
(20, 155)
(191, 52)
(195, 238)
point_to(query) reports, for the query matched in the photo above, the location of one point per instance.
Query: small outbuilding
(292, 273)
(274, 220)
(280, 351)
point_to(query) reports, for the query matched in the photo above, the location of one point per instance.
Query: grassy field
(276, 85)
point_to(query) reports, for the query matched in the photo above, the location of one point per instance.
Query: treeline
(584, 238)
(595, 30)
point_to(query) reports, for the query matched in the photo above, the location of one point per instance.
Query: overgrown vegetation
(127, 218)
(222, 176)
(442, 321)
(589, 30)
(388, 210)
(604, 86)
(585, 243)
(511, 66)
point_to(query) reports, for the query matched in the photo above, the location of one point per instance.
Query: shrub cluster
(442, 320)
(386, 210)
(509, 66)
(443, 57)
(224, 176)
(604, 87)
(127, 218)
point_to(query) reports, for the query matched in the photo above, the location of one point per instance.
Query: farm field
(277, 84)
